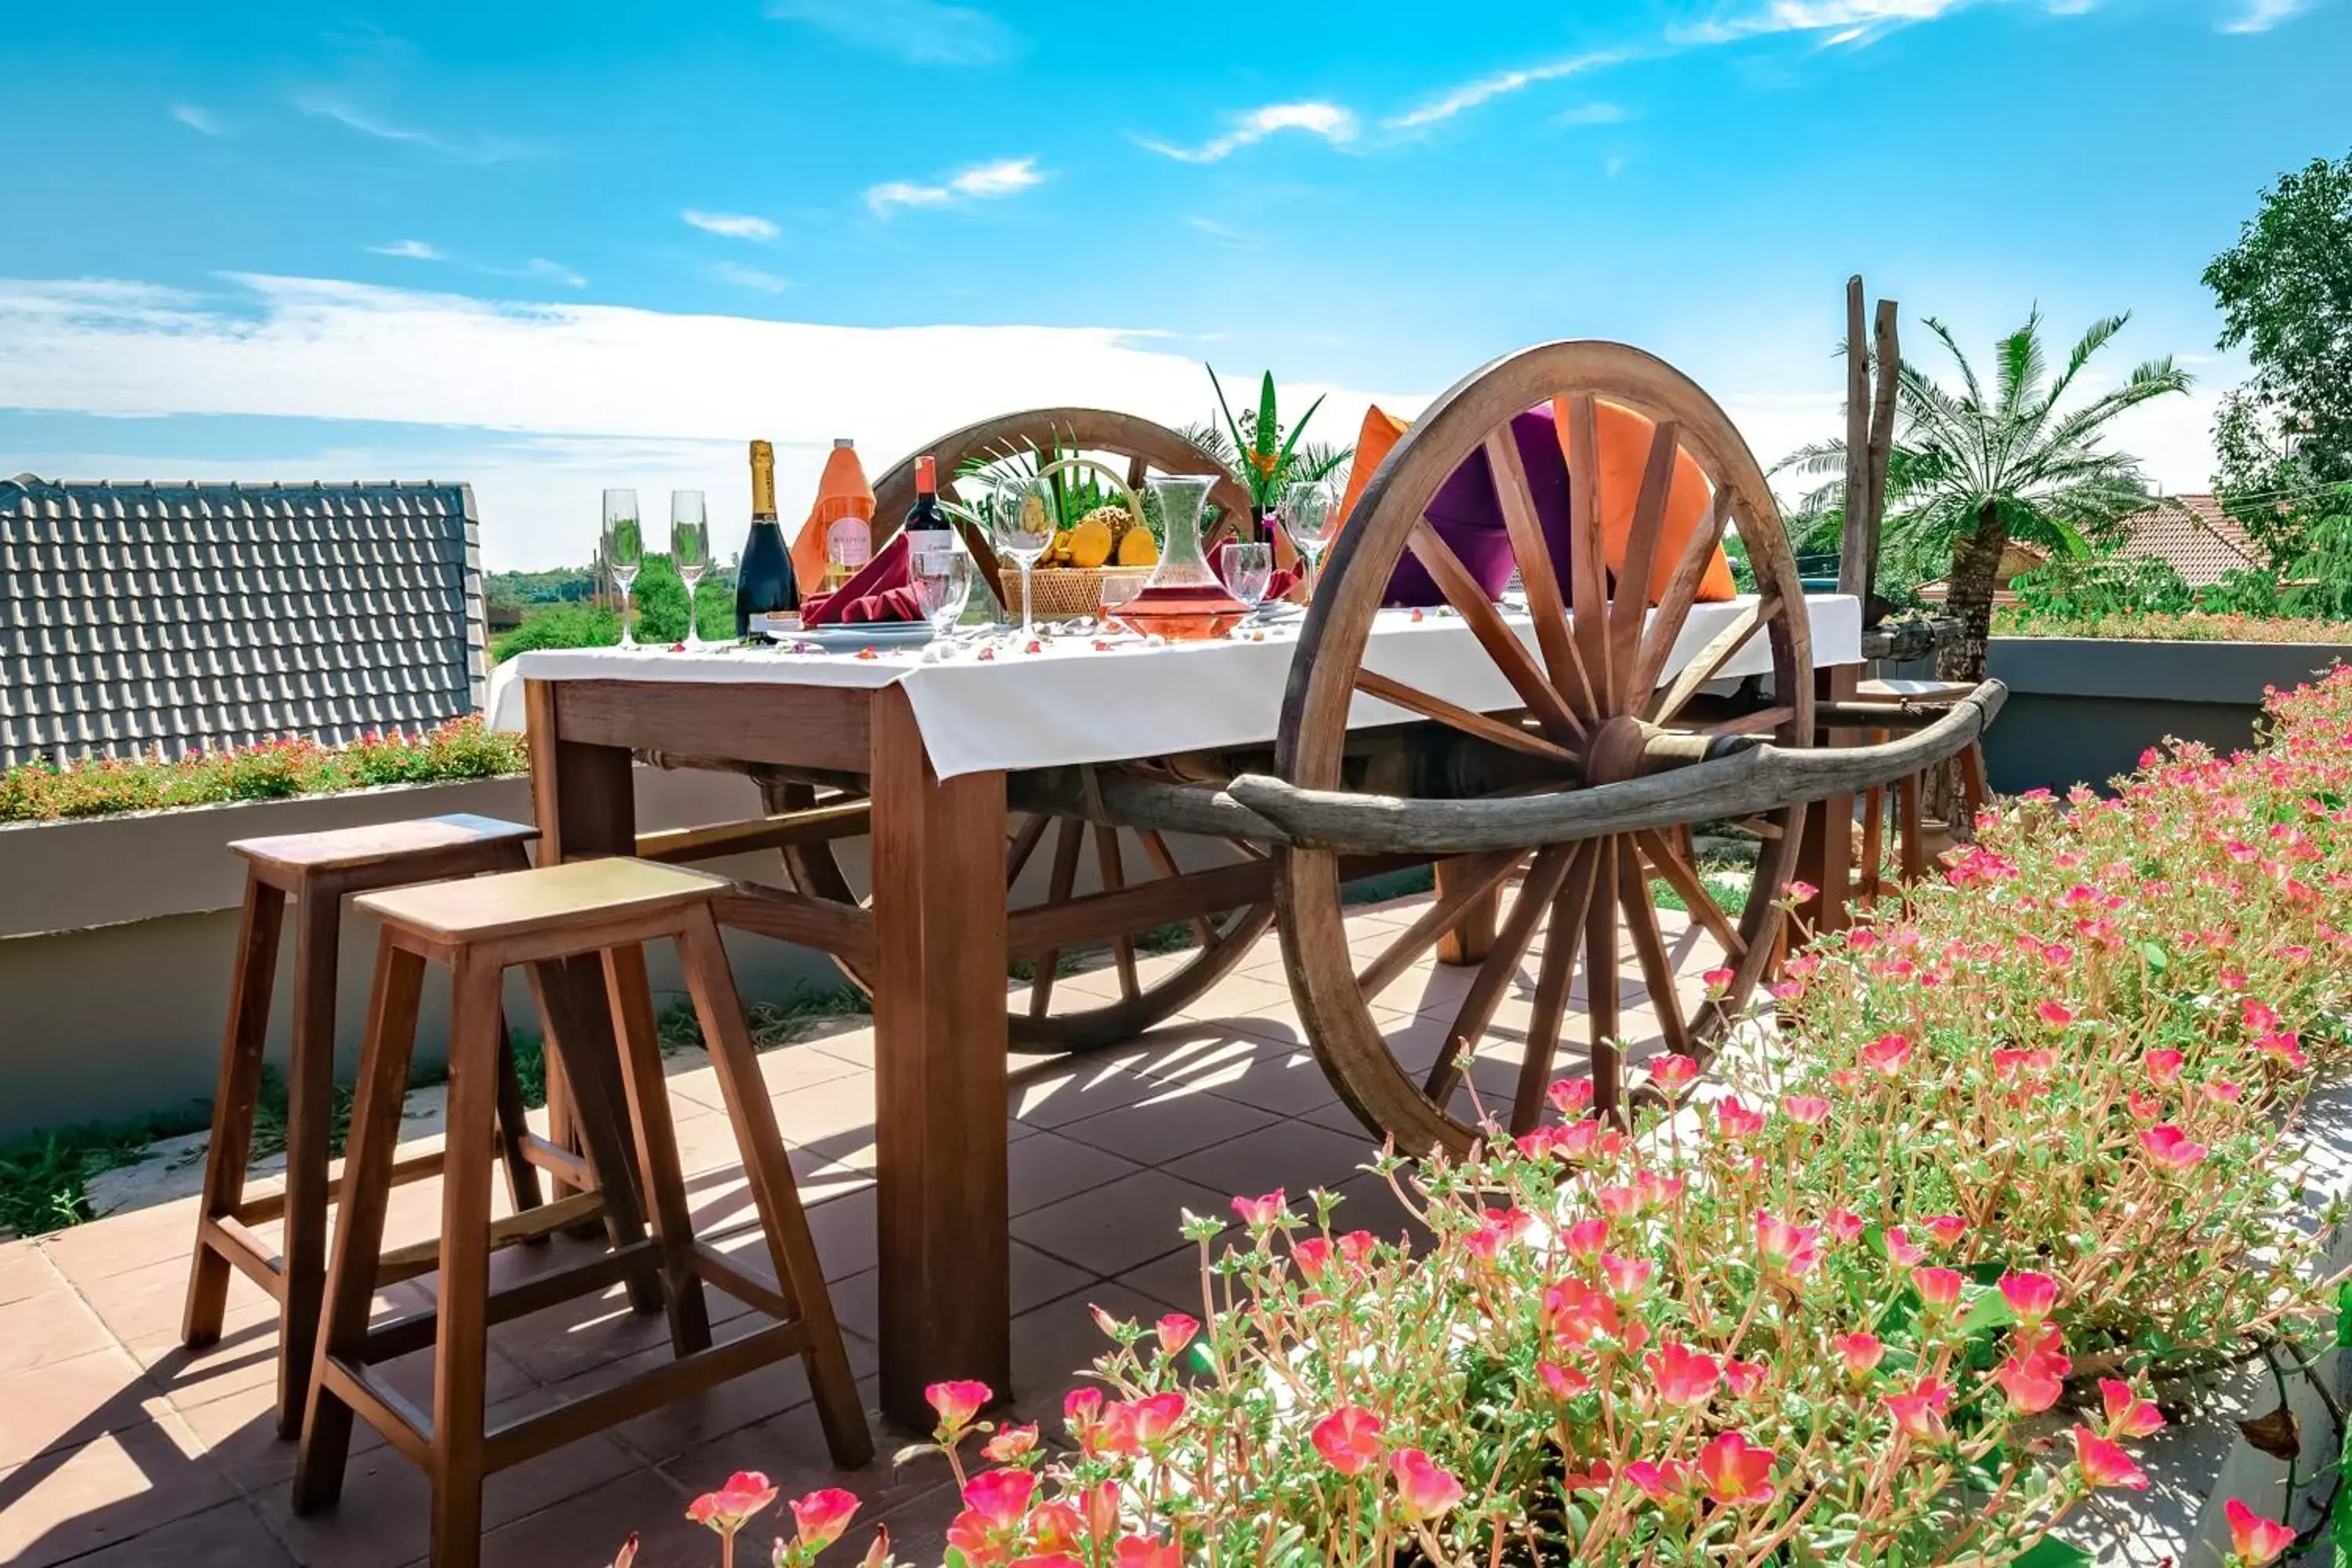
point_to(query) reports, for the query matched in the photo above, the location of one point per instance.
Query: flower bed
(2159, 626)
(1902, 1289)
(461, 749)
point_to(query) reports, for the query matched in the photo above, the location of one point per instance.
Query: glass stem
(1028, 607)
(628, 634)
(693, 632)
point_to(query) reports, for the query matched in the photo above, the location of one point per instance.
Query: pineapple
(1113, 516)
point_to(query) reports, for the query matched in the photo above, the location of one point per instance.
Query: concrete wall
(2082, 710)
(116, 935)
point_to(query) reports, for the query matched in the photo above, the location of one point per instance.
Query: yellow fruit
(1090, 543)
(1113, 516)
(1138, 548)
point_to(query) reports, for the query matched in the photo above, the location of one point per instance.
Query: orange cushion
(1625, 453)
(1372, 443)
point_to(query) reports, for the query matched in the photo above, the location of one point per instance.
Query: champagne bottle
(767, 599)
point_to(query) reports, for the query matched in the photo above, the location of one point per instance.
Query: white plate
(862, 634)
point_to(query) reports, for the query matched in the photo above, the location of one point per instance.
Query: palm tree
(1968, 474)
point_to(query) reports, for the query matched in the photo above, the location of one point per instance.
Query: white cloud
(564, 378)
(1470, 95)
(409, 250)
(2261, 15)
(734, 225)
(326, 104)
(198, 118)
(541, 267)
(1594, 114)
(920, 32)
(982, 182)
(1223, 233)
(750, 278)
(1328, 120)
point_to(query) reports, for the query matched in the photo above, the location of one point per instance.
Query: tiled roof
(139, 616)
(2192, 532)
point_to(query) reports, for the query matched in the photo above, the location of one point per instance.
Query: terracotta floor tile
(585, 1531)
(791, 1449)
(1167, 1125)
(918, 1527)
(1037, 1279)
(146, 1303)
(1049, 1167)
(827, 1109)
(26, 1270)
(1116, 1225)
(53, 1326)
(1236, 994)
(239, 1431)
(77, 1500)
(1069, 1088)
(229, 1536)
(1172, 1279)
(87, 1252)
(1054, 1344)
(64, 1402)
(1295, 1156)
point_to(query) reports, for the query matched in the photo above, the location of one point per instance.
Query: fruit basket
(1105, 543)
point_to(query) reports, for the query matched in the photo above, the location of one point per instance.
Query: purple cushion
(1466, 515)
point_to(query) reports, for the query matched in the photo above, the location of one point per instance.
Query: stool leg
(594, 1088)
(359, 1233)
(647, 1089)
(514, 1129)
(1973, 791)
(461, 1349)
(1914, 836)
(234, 1097)
(769, 1174)
(310, 1128)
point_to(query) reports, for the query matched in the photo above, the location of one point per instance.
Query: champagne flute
(1247, 571)
(689, 547)
(1311, 515)
(1022, 515)
(624, 551)
(942, 579)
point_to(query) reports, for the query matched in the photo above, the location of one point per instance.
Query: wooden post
(1469, 942)
(1888, 354)
(1855, 558)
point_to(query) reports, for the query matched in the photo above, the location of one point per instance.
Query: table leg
(940, 1071)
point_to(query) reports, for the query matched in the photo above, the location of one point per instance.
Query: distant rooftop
(2192, 532)
(141, 616)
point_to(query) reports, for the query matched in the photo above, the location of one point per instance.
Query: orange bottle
(841, 492)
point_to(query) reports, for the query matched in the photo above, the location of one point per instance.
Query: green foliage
(43, 1178)
(561, 585)
(572, 625)
(2102, 585)
(1263, 453)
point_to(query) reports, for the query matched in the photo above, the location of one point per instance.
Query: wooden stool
(317, 870)
(539, 919)
(1909, 826)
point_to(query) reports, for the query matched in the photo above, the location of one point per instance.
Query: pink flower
(1787, 1248)
(1563, 1382)
(1586, 1237)
(2129, 1416)
(1946, 1228)
(2254, 1540)
(2221, 1093)
(1735, 1120)
(1861, 1352)
(1261, 1212)
(1901, 1250)
(1920, 1411)
(1843, 1224)
(1939, 1289)
(1312, 1254)
(1008, 1445)
(2057, 1014)
(1571, 1096)
(1664, 1481)
(1735, 1472)
(2033, 1297)
(2032, 1383)
(2285, 1047)
(1155, 1417)
(1742, 1376)
(1672, 1071)
(1082, 1410)
(1625, 1276)
(1176, 1332)
(2259, 1017)
(1349, 1439)
(1142, 1551)
(728, 1509)
(1682, 1377)
(2164, 1068)
(1425, 1490)
(1808, 1109)
(1001, 1498)
(957, 1403)
(2169, 1149)
(1799, 892)
(1887, 1055)
(1718, 982)
(822, 1515)
(2104, 1463)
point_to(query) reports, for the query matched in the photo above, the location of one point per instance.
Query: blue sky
(552, 248)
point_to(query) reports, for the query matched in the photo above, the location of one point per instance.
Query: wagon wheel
(1594, 713)
(1053, 1014)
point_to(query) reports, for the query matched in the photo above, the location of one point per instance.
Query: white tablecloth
(1072, 702)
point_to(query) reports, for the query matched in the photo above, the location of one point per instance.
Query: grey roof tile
(203, 615)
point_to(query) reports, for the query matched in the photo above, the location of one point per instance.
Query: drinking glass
(624, 551)
(1247, 571)
(1311, 515)
(689, 547)
(942, 579)
(1021, 517)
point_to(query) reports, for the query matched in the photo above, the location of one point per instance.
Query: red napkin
(879, 592)
(1279, 586)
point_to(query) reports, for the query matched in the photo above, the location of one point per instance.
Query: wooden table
(935, 938)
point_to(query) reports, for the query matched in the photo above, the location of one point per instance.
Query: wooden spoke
(1065, 879)
(1763, 722)
(1538, 571)
(1691, 887)
(1024, 844)
(1650, 950)
(1714, 656)
(1470, 724)
(1673, 608)
(1536, 891)
(1478, 879)
(1588, 558)
(1601, 983)
(1163, 860)
(1633, 600)
(1114, 877)
(1493, 634)
(1559, 967)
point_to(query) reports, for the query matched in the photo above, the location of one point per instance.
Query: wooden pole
(1858, 557)
(1888, 356)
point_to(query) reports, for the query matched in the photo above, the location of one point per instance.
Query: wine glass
(942, 579)
(1247, 571)
(689, 547)
(624, 551)
(1021, 517)
(1311, 515)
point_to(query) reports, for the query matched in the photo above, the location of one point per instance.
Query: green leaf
(2344, 1314)
(1987, 1309)
(2154, 953)
(2052, 1552)
(1268, 422)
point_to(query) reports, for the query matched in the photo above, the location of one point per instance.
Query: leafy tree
(1972, 470)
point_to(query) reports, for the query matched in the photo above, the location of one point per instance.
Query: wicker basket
(1066, 592)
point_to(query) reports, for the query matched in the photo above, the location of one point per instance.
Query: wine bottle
(926, 522)
(767, 599)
